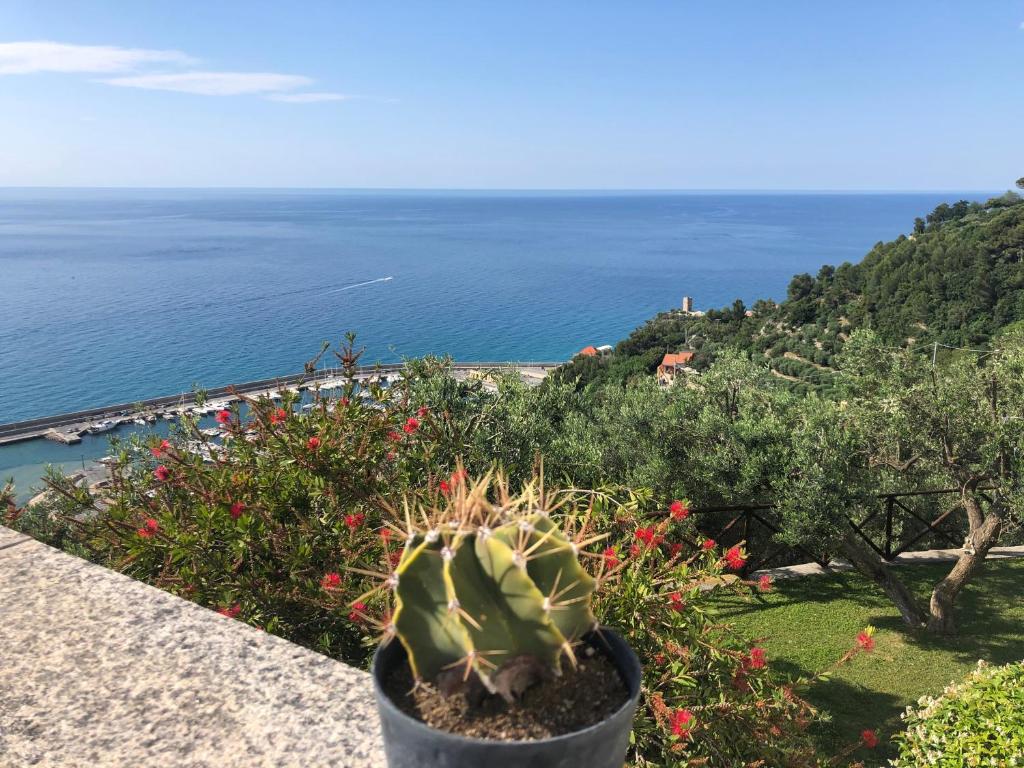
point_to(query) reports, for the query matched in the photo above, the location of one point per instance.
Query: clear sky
(680, 94)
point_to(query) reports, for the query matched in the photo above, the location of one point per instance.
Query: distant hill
(957, 280)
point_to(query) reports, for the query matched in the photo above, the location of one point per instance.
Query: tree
(800, 287)
(1020, 183)
(904, 423)
(828, 478)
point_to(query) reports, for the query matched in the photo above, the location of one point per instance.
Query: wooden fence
(901, 527)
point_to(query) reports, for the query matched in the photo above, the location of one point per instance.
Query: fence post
(889, 501)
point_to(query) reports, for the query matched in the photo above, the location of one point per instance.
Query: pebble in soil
(581, 697)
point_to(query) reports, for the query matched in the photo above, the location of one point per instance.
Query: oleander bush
(290, 526)
(977, 722)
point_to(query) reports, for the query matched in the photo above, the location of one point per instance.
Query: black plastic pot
(409, 743)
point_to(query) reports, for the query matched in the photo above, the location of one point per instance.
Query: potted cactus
(492, 655)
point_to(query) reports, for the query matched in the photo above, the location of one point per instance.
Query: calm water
(111, 296)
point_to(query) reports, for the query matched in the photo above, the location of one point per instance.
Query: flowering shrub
(977, 722)
(290, 526)
(709, 693)
(264, 526)
(710, 697)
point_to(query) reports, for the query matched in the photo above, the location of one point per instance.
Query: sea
(115, 295)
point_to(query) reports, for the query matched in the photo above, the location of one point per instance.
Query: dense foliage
(957, 281)
(729, 437)
(977, 722)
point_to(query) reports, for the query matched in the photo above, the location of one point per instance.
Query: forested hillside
(957, 280)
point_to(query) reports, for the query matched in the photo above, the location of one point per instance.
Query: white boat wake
(360, 285)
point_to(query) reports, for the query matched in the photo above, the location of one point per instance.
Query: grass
(807, 624)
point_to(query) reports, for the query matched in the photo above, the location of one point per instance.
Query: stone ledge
(99, 670)
(9, 538)
(925, 557)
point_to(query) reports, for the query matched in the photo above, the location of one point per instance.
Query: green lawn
(806, 624)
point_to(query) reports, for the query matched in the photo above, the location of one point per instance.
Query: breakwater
(72, 424)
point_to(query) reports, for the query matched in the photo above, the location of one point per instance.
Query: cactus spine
(483, 588)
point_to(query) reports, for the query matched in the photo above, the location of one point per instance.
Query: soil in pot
(581, 697)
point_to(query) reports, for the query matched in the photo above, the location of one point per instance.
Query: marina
(70, 428)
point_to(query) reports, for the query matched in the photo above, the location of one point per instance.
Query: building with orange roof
(671, 364)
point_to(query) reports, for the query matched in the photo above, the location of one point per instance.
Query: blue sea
(110, 296)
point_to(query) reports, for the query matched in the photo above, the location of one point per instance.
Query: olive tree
(728, 433)
(715, 438)
(905, 422)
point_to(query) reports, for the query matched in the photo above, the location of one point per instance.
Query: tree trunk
(876, 569)
(979, 541)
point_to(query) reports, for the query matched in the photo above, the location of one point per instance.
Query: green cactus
(489, 591)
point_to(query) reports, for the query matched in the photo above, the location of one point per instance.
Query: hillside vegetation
(957, 280)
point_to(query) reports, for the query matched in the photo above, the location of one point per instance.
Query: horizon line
(682, 190)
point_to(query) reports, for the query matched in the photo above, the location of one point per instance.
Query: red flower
(870, 738)
(411, 425)
(231, 612)
(648, 537)
(354, 521)
(161, 473)
(458, 476)
(676, 603)
(634, 550)
(357, 611)
(757, 659)
(422, 411)
(278, 416)
(708, 544)
(395, 558)
(765, 583)
(237, 509)
(386, 534)
(735, 559)
(395, 437)
(223, 417)
(866, 641)
(330, 580)
(344, 401)
(159, 450)
(444, 487)
(149, 527)
(679, 510)
(313, 443)
(611, 558)
(681, 722)
(675, 549)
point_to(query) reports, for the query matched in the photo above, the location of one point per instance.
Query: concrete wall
(98, 670)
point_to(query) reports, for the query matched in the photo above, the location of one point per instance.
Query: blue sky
(676, 94)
